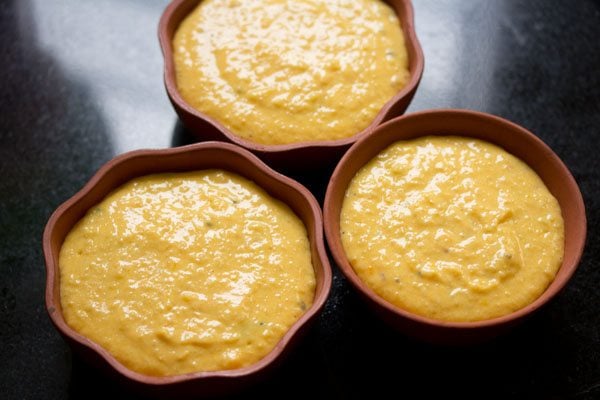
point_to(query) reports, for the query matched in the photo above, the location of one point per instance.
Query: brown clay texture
(206, 128)
(193, 157)
(514, 139)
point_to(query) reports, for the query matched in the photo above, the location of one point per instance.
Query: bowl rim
(53, 271)
(410, 36)
(336, 248)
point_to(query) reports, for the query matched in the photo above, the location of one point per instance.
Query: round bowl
(512, 138)
(193, 157)
(286, 155)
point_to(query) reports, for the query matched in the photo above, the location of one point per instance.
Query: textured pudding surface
(185, 272)
(452, 228)
(288, 71)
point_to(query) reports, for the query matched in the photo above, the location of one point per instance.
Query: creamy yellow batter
(452, 228)
(287, 71)
(176, 273)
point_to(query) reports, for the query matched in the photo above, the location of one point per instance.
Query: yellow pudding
(184, 272)
(452, 228)
(288, 71)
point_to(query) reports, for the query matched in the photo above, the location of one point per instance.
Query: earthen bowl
(287, 155)
(515, 140)
(193, 157)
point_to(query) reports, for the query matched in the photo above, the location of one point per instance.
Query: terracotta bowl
(319, 152)
(193, 157)
(514, 139)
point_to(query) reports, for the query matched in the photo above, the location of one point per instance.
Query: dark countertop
(82, 82)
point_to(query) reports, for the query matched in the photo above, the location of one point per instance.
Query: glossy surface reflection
(82, 82)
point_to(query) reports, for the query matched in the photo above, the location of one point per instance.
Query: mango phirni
(287, 71)
(452, 228)
(185, 272)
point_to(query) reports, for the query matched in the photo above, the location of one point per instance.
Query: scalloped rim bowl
(193, 157)
(514, 139)
(208, 128)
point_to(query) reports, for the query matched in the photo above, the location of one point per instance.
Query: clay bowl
(319, 152)
(514, 139)
(193, 157)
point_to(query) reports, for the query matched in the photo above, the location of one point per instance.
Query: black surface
(82, 82)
